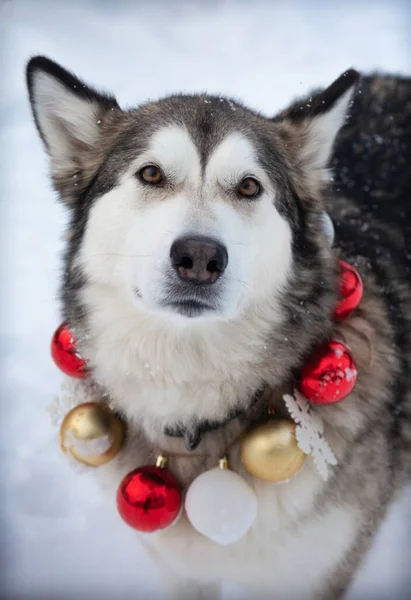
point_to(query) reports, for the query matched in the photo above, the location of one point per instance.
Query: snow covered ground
(58, 539)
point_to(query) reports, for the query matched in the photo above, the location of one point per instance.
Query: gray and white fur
(188, 294)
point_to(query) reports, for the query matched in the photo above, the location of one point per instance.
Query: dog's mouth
(189, 308)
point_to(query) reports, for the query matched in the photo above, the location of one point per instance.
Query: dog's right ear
(74, 121)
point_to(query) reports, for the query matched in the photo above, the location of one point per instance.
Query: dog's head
(192, 213)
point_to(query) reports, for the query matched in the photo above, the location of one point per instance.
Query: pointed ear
(309, 129)
(72, 120)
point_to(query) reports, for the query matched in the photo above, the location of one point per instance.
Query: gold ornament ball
(92, 434)
(270, 451)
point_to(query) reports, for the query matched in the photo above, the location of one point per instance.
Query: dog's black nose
(198, 259)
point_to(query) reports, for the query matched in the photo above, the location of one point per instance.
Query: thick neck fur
(159, 372)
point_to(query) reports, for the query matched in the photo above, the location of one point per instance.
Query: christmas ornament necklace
(219, 503)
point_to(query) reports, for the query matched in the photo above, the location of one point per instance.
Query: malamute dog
(199, 271)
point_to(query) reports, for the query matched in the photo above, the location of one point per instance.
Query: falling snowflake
(310, 433)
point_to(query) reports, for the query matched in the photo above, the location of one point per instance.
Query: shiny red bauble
(350, 290)
(149, 498)
(65, 355)
(329, 375)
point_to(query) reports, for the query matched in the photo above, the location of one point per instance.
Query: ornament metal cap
(223, 463)
(161, 461)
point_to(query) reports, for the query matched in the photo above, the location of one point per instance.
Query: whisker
(237, 243)
(122, 255)
(242, 282)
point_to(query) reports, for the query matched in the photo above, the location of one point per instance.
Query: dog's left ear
(309, 129)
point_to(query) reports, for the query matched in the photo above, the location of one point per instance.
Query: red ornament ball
(149, 498)
(330, 375)
(65, 355)
(350, 289)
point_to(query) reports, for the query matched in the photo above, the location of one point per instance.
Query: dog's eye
(151, 174)
(249, 188)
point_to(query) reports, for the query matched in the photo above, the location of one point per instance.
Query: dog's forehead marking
(174, 150)
(234, 157)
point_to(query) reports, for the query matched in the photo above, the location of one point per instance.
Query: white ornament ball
(328, 227)
(221, 505)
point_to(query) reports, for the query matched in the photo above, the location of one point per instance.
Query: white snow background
(59, 539)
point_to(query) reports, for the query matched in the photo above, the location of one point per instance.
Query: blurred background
(59, 539)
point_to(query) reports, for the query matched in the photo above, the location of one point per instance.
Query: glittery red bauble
(329, 375)
(149, 498)
(65, 355)
(350, 289)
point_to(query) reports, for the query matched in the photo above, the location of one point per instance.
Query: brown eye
(151, 174)
(249, 187)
